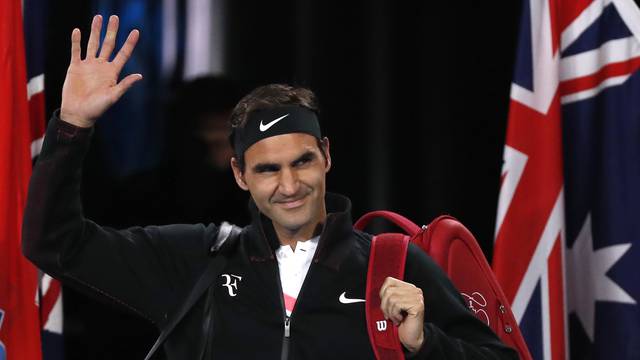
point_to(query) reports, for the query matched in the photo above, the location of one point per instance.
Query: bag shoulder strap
(387, 258)
(227, 233)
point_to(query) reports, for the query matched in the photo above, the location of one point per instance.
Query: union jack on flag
(49, 294)
(568, 222)
(21, 130)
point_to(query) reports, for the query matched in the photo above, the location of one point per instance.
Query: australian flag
(49, 295)
(568, 223)
(23, 312)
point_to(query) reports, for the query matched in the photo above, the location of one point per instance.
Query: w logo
(381, 325)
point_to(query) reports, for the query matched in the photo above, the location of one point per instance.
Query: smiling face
(285, 175)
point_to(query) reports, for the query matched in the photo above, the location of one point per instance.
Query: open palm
(91, 85)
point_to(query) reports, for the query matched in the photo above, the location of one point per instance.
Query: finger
(411, 305)
(392, 281)
(399, 299)
(75, 45)
(384, 306)
(395, 308)
(124, 85)
(108, 43)
(110, 38)
(386, 302)
(126, 50)
(94, 37)
(385, 294)
(386, 285)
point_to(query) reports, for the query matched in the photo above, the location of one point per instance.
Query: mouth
(291, 203)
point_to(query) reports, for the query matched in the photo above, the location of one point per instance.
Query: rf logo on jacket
(231, 283)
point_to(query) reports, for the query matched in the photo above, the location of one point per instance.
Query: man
(294, 280)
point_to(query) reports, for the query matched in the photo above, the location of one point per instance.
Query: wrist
(74, 119)
(415, 346)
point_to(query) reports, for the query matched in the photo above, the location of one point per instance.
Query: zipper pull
(287, 326)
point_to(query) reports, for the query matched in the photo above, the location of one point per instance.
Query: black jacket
(151, 271)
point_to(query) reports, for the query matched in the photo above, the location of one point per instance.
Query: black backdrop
(414, 98)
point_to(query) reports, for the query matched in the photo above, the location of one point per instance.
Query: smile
(292, 204)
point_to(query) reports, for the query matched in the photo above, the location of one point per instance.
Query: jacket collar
(335, 239)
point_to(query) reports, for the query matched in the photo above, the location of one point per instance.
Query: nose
(289, 183)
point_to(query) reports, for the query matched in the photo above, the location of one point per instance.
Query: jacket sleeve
(451, 331)
(145, 269)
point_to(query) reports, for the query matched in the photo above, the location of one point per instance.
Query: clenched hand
(91, 85)
(403, 304)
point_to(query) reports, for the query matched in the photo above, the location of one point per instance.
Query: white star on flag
(587, 281)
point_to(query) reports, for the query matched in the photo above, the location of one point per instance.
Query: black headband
(265, 123)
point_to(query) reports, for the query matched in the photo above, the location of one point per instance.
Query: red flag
(19, 321)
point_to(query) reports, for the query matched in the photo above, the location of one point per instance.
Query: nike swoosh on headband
(265, 127)
(345, 300)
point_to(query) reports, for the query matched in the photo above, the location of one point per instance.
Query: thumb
(125, 84)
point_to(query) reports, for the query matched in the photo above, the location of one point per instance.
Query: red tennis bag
(456, 251)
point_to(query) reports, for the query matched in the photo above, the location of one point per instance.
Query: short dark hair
(267, 97)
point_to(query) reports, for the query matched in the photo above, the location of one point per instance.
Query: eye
(303, 160)
(266, 168)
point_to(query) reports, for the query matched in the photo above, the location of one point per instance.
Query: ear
(327, 153)
(238, 175)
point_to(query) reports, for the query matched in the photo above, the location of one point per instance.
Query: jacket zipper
(287, 330)
(287, 321)
(286, 339)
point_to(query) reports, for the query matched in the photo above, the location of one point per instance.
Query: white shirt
(293, 266)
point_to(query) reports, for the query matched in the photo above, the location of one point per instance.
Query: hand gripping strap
(387, 258)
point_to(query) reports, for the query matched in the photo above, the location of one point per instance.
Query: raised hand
(91, 85)
(403, 304)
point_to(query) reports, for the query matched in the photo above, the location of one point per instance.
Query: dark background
(414, 98)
